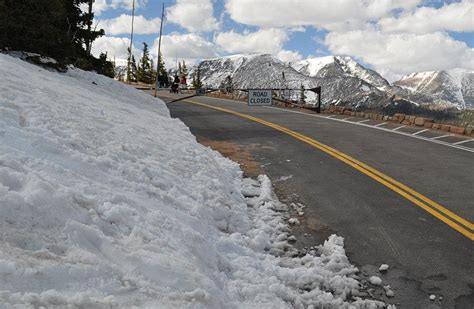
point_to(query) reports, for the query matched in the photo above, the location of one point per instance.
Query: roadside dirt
(236, 153)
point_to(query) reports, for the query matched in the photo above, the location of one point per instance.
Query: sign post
(259, 97)
(318, 91)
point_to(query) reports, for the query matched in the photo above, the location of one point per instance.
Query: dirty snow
(106, 201)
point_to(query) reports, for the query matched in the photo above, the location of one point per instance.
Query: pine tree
(302, 94)
(3, 23)
(198, 79)
(229, 83)
(197, 83)
(144, 73)
(162, 73)
(33, 26)
(180, 70)
(104, 67)
(76, 25)
(55, 28)
(133, 70)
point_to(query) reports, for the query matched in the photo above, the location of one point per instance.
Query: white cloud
(122, 24)
(193, 15)
(332, 15)
(397, 54)
(262, 41)
(115, 48)
(289, 55)
(104, 5)
(452, 17)
(189, 47)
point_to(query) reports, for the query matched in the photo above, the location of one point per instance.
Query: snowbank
(106, 201)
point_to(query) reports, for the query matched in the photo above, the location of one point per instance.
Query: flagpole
(157, 83)
(131, 44)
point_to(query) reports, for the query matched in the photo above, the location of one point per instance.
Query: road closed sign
(258, 97)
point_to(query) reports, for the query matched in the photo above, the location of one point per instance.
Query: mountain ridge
(344, 81)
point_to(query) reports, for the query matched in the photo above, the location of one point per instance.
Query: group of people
(178, 83)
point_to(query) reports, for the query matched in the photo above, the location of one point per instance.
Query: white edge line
(362, 121)
(421, 131)
(462, 142)
(345, 119)
(398, 128)
(330, 116)
(438, 137)
(380, 124)
(383, 129)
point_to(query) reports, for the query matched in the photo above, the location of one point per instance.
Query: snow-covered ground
(106, 201)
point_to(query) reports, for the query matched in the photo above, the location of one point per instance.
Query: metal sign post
(259, 97)
(318, 91)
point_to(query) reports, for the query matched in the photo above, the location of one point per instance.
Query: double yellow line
(456, 222)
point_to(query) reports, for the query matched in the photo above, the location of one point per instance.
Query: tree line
(53, 28)
(144, 71)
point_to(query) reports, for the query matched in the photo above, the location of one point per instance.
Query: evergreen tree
(76, 26)
(302, 94)
(3, 25)
(133, 70)
(144, 72)
(229, 82)
(55, 28)
(162, 73)
(33, 26)
(180, 69)
(197, 83)
(104, 67)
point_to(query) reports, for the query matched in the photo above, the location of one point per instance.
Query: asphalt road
(426, 255)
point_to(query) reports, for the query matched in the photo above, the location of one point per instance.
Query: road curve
(427, 254)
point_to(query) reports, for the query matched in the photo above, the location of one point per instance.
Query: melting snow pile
(106, 201)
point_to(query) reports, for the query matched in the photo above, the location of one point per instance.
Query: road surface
(378, 188)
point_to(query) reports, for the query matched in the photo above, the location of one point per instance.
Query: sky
(393, 37)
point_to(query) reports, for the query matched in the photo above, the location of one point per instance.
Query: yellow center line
(453, 220)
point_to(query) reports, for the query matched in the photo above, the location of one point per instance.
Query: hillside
(441, 88)
(343, 81)
(108, 202)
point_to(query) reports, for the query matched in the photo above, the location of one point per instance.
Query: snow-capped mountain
(340, 80)
(312, 66)
(254, 70)
(442, 88)
(343, 81)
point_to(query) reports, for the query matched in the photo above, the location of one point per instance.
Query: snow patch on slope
(417, 80)
(106, 201)
(311, 66)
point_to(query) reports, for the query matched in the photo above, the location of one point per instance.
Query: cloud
(104, 5)
(289, 55)
(452, 17)
(190, 47)
(122, 24)
(331, 15)
(115, 48)
(396, 54)
(193, 15)
(262, 41)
